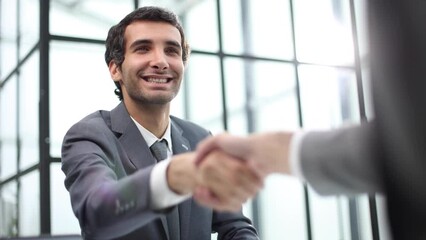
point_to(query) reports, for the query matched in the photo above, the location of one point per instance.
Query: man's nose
(159, 60)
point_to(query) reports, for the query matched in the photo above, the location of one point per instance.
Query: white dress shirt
(294, 155)
(161, 194)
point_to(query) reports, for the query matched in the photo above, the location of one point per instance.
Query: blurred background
(256, 65)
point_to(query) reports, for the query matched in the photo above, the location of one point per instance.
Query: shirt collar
(150, 138)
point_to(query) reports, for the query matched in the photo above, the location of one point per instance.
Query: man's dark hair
(115, 42)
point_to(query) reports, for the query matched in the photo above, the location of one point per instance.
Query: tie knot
(159, 150)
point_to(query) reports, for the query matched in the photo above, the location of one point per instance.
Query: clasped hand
(225, 170)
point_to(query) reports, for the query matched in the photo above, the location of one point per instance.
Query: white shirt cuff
(161, 195)
(294, 155)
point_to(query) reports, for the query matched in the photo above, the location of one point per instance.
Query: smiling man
(130, 171)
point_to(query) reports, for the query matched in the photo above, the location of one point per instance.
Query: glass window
(364, 219)
(362, 26)
(273, 93)
(329, 96)
(29, 112)
(275, 99)
(29, 13)
(328, 99)
(204, 92)
(235, 95)
(29, 204)
(177, 107)
(8, 210)
(283, 209)
(87, 19)
(276, 16)
(8, 39)
(63, 218)
(367, 91)
(8, 129)
(246, 33)
(200, 25)
(362, 29)
(323, 31)
(363, 205)
(383, 218)
(79, 85)
(329, 216)
(232, 26)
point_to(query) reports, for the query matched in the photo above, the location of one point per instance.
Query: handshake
(225, 170)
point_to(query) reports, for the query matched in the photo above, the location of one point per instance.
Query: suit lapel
(181, 145)
(139, 155)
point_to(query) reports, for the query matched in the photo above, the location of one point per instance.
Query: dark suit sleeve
(106, 204)
(343, 161)
(233, 226)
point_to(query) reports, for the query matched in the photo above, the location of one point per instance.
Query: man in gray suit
(117, 188)
(386, 155)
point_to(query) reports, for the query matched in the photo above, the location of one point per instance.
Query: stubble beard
(154, 99)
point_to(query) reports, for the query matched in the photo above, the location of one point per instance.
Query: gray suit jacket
(107, 164)
(388, 154)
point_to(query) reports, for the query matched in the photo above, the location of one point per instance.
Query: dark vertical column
(248, 66)
(358, 72)
(44, 119)
(353, 205)
(354, 219)
(249, 96)
(1, 83)
(299, 109)
(357, 59)
(222, 67)
(18, 131)
(374, 217)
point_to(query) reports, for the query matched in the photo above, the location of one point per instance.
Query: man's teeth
(157, 80)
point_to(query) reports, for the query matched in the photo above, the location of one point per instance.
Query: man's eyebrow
(140, 42)
(174, 43)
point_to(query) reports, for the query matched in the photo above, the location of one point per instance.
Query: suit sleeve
(233, 226)
(344, 161)
(106, 203)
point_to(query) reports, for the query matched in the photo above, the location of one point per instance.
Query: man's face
(152, 70)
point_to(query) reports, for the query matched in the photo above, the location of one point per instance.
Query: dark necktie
(159, 150)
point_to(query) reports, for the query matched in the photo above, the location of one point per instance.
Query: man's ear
(114, 71)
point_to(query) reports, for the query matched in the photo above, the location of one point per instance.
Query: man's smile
(157, 80)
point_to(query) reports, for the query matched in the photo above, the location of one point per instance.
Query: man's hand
(226, 182)
(221, 182)
(233, 168)
(227, 170)
(265, 153)
(182, 175)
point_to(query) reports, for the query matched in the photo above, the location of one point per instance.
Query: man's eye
(173, 51)
(142, 49)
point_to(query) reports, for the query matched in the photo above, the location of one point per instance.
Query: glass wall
(255, 66)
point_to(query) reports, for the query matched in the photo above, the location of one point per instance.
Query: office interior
(256, 65)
